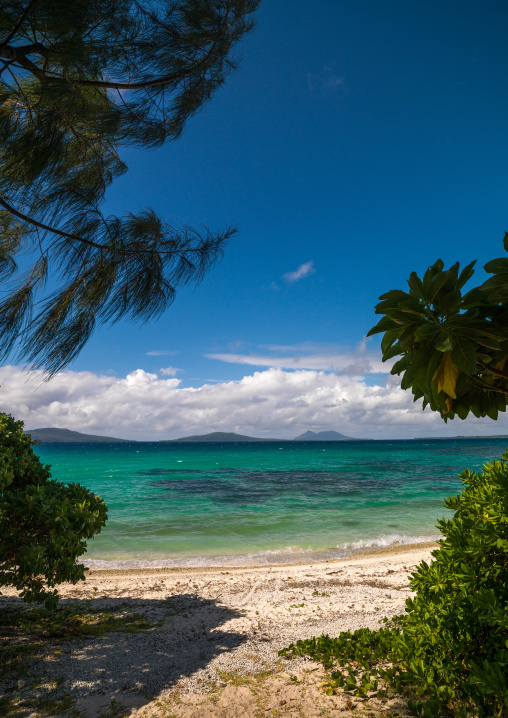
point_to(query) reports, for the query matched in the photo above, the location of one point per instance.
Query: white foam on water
(387, 540)
(290, 554)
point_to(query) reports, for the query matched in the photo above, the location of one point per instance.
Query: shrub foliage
(451, 645)
(44, 523)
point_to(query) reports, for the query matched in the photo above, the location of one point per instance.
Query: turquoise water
(221, 504)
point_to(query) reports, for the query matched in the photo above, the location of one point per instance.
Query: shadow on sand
(129, 667)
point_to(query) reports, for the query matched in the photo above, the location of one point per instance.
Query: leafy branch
(453, 346)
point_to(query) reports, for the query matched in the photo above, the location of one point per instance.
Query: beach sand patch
(205, 642)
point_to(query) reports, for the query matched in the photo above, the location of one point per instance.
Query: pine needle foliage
(78, 81)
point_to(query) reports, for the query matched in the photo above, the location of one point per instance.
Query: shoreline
(394, 550)
(211, 650)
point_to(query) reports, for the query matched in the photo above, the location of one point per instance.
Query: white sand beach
(215, 652)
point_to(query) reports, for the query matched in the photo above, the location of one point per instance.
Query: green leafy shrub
(451, 645)
(43, 523)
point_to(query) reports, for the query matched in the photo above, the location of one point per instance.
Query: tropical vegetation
(44, 524)
(448, 653)
(452, 344)
(79, 81)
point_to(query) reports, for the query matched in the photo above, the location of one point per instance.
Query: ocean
(186, 504)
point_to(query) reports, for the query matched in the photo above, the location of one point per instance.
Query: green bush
(451, 645)
(43, 523)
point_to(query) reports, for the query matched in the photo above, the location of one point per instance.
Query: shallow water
(221, 504)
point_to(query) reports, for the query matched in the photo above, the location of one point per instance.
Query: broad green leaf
(445, 345)
(466, 274)
(395, 295)
(464, 355)
(393, 351)
(474, 298)
(438, 266)
(432, 366)
(486, 339)
(436, 285)
(447, 375)
(399, 366)
(500, 294)
(497, 266)
(425, 330)
(461, 410)
(383, 325)
(389, 338)
(491, 410)
(416, 285)
(448, 302)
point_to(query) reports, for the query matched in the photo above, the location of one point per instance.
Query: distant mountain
(66, 436)
(325, 436)
(218, 437)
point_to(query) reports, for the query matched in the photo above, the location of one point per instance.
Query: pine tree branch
(46, 228)
(16, 54)
(29, 65)
(102, 247)
(18, 24)
(12, 53)
(164, 80)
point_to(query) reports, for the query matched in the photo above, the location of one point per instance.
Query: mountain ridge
(53, 435)
(216, 437)
(67, 436)
(326, 436)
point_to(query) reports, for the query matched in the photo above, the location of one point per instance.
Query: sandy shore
(214, 653)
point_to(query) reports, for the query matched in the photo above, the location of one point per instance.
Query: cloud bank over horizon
(270, 403)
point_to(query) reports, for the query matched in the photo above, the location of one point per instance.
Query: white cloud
(304, 347)
(356, 363)
(169, 371)
(304, 270)
(272, 403)
(160, 353)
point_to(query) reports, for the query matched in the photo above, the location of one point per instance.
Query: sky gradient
(357, 142)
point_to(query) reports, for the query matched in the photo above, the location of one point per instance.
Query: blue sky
(357, 142)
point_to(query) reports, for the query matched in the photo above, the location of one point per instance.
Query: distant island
(66, 436)
(217, 437)
(326, 436)
(224, 436)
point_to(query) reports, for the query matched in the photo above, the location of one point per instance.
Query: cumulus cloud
(304, 270)
(271, 403)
